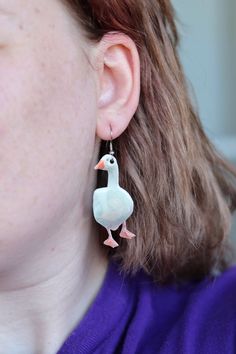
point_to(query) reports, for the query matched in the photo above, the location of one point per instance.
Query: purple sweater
(135, 315)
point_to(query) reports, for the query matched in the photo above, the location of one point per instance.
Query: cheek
(47, 127)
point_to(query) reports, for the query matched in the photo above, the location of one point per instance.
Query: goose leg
(126, 233)
(110, 240)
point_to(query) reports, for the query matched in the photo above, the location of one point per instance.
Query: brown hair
(183, 189)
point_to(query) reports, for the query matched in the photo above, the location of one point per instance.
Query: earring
(112, 205)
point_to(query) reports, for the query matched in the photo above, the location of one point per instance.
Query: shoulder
(195, 317)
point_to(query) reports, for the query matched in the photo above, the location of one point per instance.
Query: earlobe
(119, 83)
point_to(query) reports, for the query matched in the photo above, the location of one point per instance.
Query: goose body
(112, 206)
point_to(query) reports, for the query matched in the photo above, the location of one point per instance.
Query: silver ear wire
(111, 147)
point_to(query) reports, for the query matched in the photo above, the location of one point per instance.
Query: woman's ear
(118, 72)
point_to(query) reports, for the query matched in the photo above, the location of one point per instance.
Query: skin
(59, 95)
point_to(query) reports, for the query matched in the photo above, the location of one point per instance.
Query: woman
(75, 75)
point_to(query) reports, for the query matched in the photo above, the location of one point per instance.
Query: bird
(112, 205)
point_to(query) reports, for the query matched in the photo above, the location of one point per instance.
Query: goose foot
(110, 240)
(126, 233)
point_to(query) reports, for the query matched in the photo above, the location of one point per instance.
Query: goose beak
(100, 165)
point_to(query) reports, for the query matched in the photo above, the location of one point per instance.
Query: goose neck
(113, 178)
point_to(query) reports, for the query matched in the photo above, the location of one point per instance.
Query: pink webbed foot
(111, 242)
(126, 234)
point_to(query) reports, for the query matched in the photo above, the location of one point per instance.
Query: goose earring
(112, 205)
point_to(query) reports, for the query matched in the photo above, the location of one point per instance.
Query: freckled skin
(47, 102)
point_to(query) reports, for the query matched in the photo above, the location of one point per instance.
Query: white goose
(112, 205)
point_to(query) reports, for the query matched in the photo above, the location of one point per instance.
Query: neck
(113, 177)
(37, 316)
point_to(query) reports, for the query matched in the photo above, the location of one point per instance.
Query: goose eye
(112, 161)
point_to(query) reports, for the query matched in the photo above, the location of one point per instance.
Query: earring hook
(111, 147)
